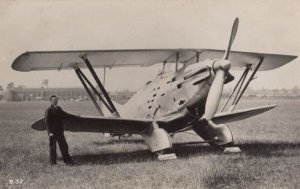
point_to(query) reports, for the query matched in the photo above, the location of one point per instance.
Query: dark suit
(54, 116)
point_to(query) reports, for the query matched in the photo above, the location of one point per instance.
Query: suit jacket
(54, 117)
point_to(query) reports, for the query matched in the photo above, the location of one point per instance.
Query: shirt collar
(54, 106)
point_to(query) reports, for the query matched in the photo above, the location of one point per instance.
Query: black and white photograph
(143, 94)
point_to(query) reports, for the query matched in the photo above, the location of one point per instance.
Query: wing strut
(240, 84)
(81, 74)
(177, 59)
(77, 71)
(104, 75)
(107, 98)
(242, 79)
(249, 80)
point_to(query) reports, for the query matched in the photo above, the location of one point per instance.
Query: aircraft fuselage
(172, 92)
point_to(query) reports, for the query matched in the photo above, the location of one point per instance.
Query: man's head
(53, 100)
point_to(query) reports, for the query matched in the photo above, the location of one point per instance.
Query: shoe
(70, 163)
(53, 163)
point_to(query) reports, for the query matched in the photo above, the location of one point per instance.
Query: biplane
(186, 98)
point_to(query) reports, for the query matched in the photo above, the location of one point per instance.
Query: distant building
(1, 92)
(33, 94)
(40, 94)
(268, 93)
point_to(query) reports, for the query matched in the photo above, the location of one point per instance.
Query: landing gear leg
(159, 142)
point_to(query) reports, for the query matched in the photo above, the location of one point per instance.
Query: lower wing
(100, 124)
(237, 115)
(136, 126)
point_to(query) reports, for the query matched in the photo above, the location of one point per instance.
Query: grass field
(270, 156)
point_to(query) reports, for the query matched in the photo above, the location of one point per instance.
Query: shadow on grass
(258, 149)
(267, 149)
(122, 141)
(114, 158)
(262, 149)
(181, 151)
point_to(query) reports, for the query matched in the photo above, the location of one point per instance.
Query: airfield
(270, 156)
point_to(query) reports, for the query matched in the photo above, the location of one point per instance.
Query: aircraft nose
(221, 64)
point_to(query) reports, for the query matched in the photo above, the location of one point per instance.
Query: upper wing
(56, 60)
(237, 115)
(239, 60)
(100, 124)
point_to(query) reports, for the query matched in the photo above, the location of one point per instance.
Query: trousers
(61, 140)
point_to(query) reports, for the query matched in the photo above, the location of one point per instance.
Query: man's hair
(52, 97)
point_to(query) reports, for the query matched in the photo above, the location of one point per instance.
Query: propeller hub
(221, 64)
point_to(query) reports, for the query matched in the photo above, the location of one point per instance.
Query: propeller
(232, 36)
(220, 67)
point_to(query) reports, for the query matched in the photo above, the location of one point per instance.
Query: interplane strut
(93, 88)
(90, 67)
(84, 80)
(242, 88)
(77, 71)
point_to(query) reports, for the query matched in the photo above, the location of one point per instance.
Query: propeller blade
(232, 36)
(221, 68)
(214, 95)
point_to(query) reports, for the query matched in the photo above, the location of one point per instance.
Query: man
(54, 116)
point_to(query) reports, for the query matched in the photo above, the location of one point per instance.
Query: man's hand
(50, 134)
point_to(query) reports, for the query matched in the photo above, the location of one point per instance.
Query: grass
(270, 155)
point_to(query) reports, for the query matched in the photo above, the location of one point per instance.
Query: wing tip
(39, 125)
(293, 57)
(17, 63)
(269, 107)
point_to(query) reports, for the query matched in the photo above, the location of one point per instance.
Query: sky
(45, 25)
